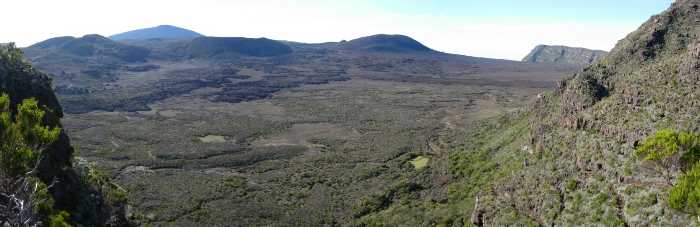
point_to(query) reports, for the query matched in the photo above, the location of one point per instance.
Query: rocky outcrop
(564, 55)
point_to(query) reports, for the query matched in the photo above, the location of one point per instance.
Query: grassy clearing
(420, 162)
(213, 139)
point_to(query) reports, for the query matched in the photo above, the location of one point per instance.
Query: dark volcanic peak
(385, 43)
(88, 46)
(218, 46)
(160, 32)
(564, 55)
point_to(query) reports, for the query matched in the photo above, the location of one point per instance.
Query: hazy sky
(506, 29)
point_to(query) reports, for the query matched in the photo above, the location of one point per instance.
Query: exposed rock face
(564, 55)
(21, 81)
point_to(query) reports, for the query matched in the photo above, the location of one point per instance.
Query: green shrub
(685, 195)
(23, 139)
(59, 220)
(690, 143)
(94, 177)
(669, 150)
(660, 146)
(22, 136)
(571, 185)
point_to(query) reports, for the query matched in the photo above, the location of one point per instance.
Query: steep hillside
(570, 159)
(385, 43)
(71, 189)
(225, 46)
(159, 32)
(564, 55)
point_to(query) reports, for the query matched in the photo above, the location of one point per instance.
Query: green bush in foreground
(24, 199)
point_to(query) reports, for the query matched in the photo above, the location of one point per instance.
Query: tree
(23, 140)
(671, 151)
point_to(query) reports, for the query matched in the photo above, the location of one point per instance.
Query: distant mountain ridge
(88, 46)
(564, 54)
(159, 32)
(171, 42)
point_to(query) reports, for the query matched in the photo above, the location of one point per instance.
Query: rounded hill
(214, 46)
(159, 32)
(88, 46)
(385, 43)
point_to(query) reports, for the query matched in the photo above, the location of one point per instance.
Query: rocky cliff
(563, 55)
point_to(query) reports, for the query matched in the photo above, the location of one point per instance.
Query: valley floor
(306, 156)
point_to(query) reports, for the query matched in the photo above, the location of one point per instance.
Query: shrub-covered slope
(71, 190)
(570, 159)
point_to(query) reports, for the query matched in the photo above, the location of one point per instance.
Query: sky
(504, 29)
